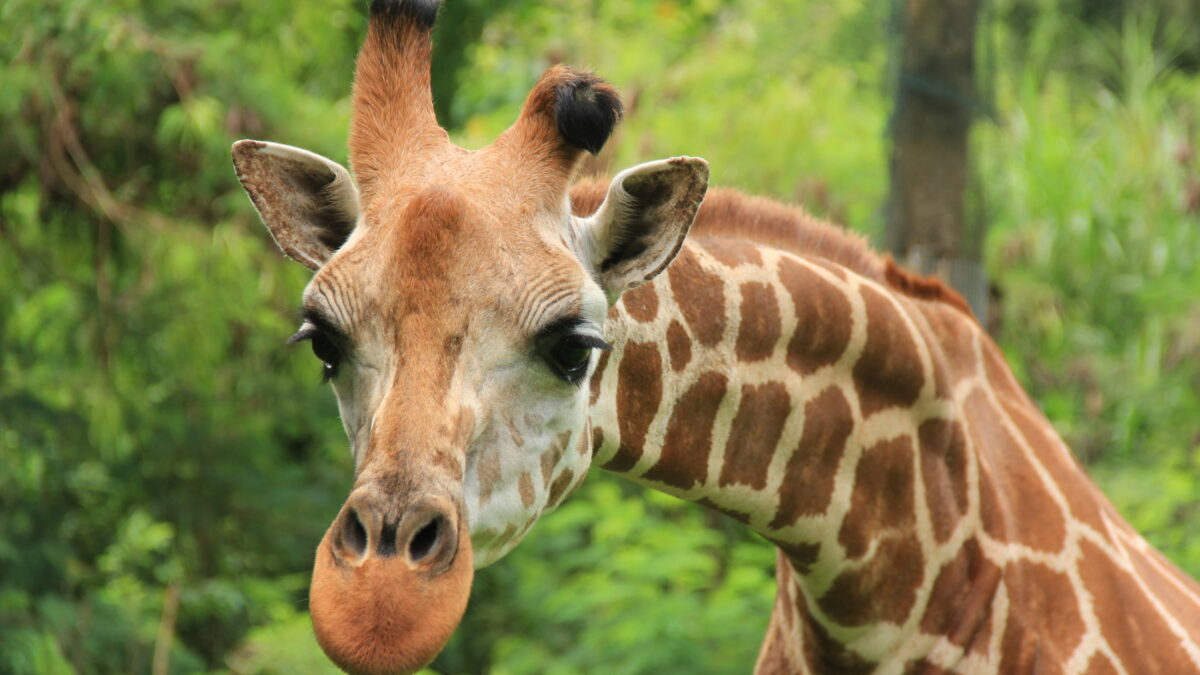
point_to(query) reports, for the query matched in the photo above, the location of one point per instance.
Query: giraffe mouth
(390, 585)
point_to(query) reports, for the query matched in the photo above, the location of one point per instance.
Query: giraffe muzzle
(390, 581)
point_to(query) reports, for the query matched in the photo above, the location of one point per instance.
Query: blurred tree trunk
(929, 227)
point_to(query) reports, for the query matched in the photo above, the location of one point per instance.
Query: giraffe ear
(308, 203)
(641, 225)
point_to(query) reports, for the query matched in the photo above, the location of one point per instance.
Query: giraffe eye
(568, 354)
(569, 357)
(323, 347)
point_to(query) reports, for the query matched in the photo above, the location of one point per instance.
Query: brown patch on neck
(639, 393)
(809, 477)
(802, 555)
(824, 654)
(1100, 665)
(1045, 624)
(794, 634)
(943, 454)
(761, 324)
(882, 589)
(688, 441)
(1084, 499)
(883, 497)
(960, 604)
(641, 303)
(597, 378)
(754, 434)
(700, 296)
(889, 371)
(679, 346)
(822, 331)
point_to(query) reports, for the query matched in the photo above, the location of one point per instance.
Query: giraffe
(492, 332)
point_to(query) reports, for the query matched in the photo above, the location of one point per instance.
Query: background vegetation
(166, 466)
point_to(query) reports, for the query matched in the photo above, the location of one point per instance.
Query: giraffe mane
(729, 213)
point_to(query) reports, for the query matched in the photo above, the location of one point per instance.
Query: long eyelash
(316, 320)
(561, 325)
(306, 332)
(565, 325)
(592, 341)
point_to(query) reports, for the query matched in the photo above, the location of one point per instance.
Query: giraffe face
(458, 322)
(460, 345)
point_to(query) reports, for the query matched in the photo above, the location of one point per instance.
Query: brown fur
(537, 125)
(925, 288)
(533, 141)
(394, 126)
(729, 214)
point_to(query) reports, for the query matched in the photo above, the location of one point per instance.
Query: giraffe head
(457, 308)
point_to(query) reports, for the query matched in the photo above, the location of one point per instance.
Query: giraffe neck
(780, 392)
(922, 507)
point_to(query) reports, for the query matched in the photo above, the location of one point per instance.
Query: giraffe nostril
(424, 540)
(354, 535)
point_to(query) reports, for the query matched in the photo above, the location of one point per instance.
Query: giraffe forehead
(557, 288)
(448, 264)
(515, 264)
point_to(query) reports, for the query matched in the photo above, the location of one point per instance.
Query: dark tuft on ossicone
(421, 12)
(586, 110)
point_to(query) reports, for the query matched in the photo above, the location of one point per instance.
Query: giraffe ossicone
(491, 332)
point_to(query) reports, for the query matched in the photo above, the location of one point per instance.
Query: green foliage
(141, 451)
(284, 646)
(156, 439)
